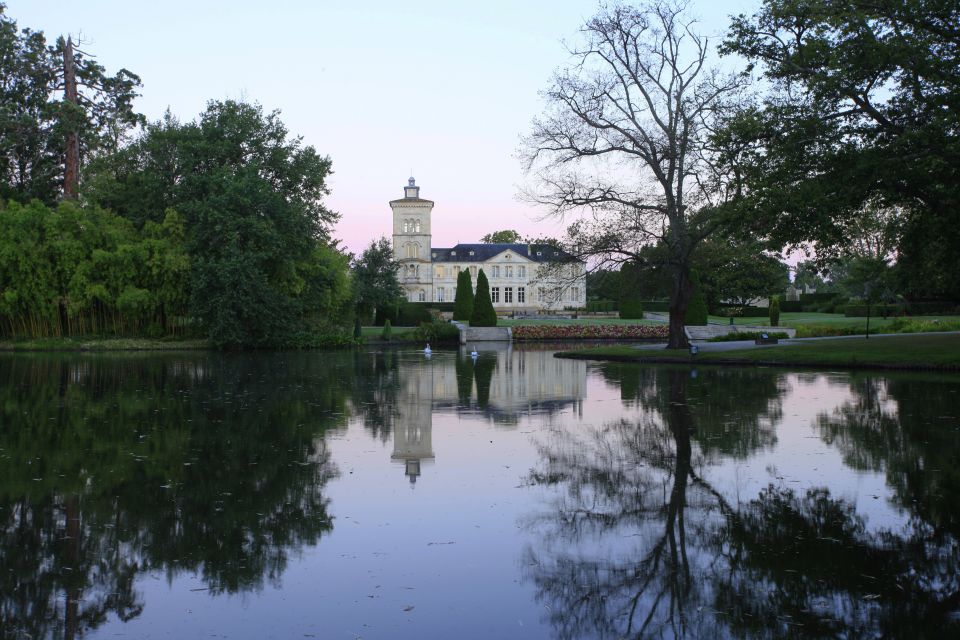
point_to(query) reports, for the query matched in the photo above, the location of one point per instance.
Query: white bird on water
(474, 354)
(428, 350)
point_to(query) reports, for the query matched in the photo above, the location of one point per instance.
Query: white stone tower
(411, 242)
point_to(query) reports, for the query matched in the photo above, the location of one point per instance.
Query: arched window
(412, 249)
(416, 226)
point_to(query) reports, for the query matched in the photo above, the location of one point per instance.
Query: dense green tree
(78, 270)
(483, 313)
(35, 117)
(504, 236)
(738, 272)
(463, 301)
(256, 227)
(864, 109)
(637, 95)
(374, 276)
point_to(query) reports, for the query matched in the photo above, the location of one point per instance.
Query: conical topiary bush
(463, 301)
(483, 313)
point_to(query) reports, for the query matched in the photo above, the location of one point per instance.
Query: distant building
(523, 277)
(793, 293)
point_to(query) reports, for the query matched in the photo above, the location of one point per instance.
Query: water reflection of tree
(375, 379)
(639, 543)
(904, 426)
(114, 467)
(737, 409)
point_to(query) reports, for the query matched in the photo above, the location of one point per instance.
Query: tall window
(495, 272)
(509, 271)
(575, 294)
(412, 249)
(439, 271)
(508, 294)
(416, 226)
(495, 294)
(473, 272)
(421, 296)
(440, 294)
(521, 272)
(521, 295)
(541, 294)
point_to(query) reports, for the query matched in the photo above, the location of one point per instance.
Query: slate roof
(485, 251)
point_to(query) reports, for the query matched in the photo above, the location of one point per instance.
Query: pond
(384, 494)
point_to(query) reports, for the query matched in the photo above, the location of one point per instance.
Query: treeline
(212, 228)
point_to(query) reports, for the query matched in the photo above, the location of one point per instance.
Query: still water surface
(380, 494)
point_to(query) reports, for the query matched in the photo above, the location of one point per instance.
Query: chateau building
(526, 278)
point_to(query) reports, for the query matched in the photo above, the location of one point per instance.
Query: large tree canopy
(252, 198)
(864, 109)
(35, 117)
(626, 147)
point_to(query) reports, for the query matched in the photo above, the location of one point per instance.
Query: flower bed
(591, 332)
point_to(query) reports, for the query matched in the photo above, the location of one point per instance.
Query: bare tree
(625, 145)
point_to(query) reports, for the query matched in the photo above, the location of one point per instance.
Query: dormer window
(453, 253)
(434, 254)
(539, 253)
(471, 253)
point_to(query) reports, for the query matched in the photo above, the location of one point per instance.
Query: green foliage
(697, 309)
(463, 301)
(483, 312)
(374, 273)
(263, 269)
(505, 236)
(34, 119)
(412, 314)
(865, 109)
(357, 329)
(737, 272)
(387, 332)
(436, 332)
(81, 270)
(631, 309)
(775, 311)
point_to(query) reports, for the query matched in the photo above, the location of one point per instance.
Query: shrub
(656, 305)
(697, 309)
(774, 311)
(790, 306)
(594, 306)
(436, 333)
(411, 314)
(387, 330)
(631, 309)
(483, 313)
(463, 301)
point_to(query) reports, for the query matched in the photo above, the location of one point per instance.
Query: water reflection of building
(502, 385)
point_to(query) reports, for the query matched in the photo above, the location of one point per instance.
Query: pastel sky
(441, 87)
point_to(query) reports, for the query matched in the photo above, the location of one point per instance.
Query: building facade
(524, 278)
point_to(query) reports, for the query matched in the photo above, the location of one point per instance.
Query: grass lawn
(833, 319)
(902, 351)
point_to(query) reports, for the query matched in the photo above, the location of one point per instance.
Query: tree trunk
(679, 301)
(71, 172)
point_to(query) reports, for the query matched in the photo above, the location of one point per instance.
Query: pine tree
(483, 313)
(463, 301)
(774, 311)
